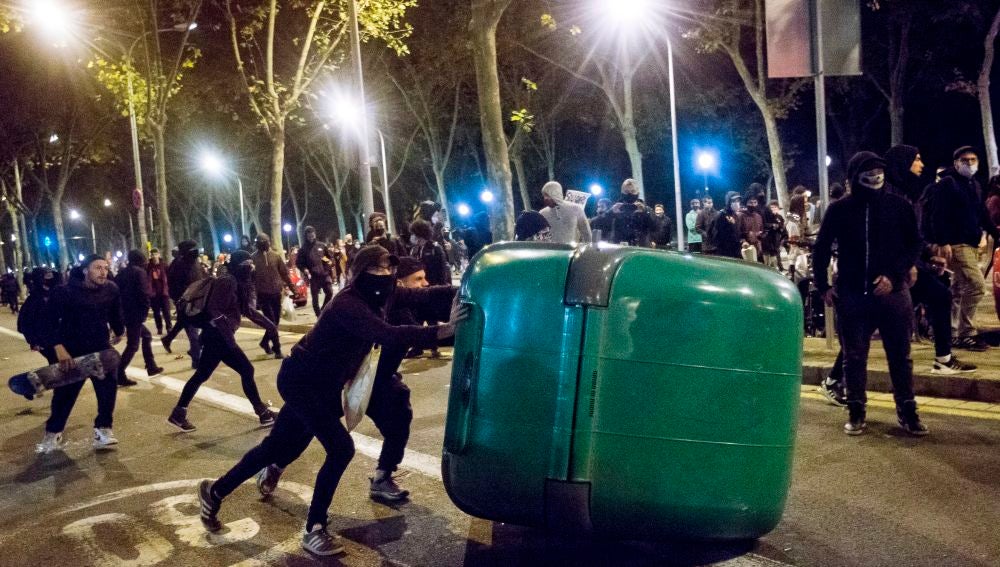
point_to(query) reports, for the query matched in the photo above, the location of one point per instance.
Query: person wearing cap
(724, 233)
(184, 270)
(567, 220)
(316, 263)
(430, 253)
(531, 226)
(82, 312)
(878, 244)
(690, 222)
(953, 220)
(378, 234)
(228, 299)
(631, 222)
(270, 281)
(311, 382)
(136, 291)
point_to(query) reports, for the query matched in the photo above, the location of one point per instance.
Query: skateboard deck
(96, 365)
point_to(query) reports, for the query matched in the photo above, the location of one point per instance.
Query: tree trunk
(630, 135)
(277, 179)
(47, 259)
(19, 240)
(777, 159)
(442, 196)
(985, 106)
(210, 217)
(485, 17)
(159, 147)
(522, 179)
(896, 111)
(57, 223)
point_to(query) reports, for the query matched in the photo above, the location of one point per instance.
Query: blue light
(47, 241)
(464, 210)
(596, 190)
(486, 196)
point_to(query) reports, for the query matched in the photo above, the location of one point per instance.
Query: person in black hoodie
(878, 245)
(953, 218)
(35, 319)
(136, 292)
(82, 312)
(724, 234)
(311, 381)
(316, 263)
(184, 270)
(228, 299)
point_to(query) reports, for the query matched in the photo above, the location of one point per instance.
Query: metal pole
(365, 172)
(136, 162)
(385, 185)
(673, 138)
(93, 236)
(824, 181)
(131, 231)
(151, 229)
(243, 219)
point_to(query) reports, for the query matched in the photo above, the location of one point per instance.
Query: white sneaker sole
(336, 550)
(945, 371)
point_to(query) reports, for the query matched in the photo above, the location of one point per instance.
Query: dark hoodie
(875, 231)
(725, 230)
(82, 315)
(133, 284)
(35, 320)
(352, 323)
(953, 211)
(185, 269)
(898, 161)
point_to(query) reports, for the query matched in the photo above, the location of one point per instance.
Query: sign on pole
(792, 34)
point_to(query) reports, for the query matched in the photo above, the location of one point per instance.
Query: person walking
(954, 218)
(35, 320)
(160, 301)
(691, 223)
(185, 269)
(83, 311)
(227, 300)
(378, 233)
(270, 281)
(311, 382)
(136, 291)
(567, 220)
(316, 262)
(877, 245)
(11, 292)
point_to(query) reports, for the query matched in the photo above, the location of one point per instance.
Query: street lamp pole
(673, 137)
(365, 172)
(93, 237)
(385, 183)
(243, 219)
(138, 199)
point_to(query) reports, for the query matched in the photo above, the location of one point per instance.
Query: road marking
(924, 408)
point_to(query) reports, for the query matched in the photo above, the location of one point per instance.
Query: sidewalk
(983, 385)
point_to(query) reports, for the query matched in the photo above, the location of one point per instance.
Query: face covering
(375, 289)
(242, 272)
(262, 246)
(872, 181)
(967, 170)
(629, 198)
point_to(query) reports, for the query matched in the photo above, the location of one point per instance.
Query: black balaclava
(374, 289)
(310, 233)
(136, 258)
(263, 243)
(898, 161)
(239, 265)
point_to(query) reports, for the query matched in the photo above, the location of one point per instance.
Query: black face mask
(629, 198)
(242, 272)
(375, 289)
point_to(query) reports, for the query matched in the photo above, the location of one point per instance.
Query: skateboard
(96, 365)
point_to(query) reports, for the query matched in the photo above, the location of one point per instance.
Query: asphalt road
(881, 499)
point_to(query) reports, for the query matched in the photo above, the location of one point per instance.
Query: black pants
(135, 334)
(315, 286)
(389, 408)
(215, 350)
(50, 355)
(193, 335)
(936, 297)
(694, 247)
(892, 315)
(64, 398)
(160, 305)
(307, 413)
(270, 305)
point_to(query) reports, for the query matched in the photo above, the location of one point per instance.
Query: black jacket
(83, 314)
(663, 230)
(311, 258)
(876, 235)
(435, 263)
(347, 329)
(183, 272)
(135, 289)
(35, 321)
(953, 211)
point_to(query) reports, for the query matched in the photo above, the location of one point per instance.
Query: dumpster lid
(591, 272)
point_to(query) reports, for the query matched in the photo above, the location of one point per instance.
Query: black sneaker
(318, 541)
(974, 344)
(856, 422)
(266, 345)
(833, 392)
(387, 489)
(267, 417)
(165, 341)
(178, 418)
(953, 366)
(267, 479)
(154, 371)
(209, 507)
(125, 382)
(910, 421)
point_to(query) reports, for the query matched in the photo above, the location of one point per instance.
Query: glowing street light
(287, 228)
(706, 161)
(486, 196)
(74, 214)
(227, 238)
(53, 19)
(625, 13)
(107, 202)
(464, 210)
(213, 164)
(829, 161)
(596, 190)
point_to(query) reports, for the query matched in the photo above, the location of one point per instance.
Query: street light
(227, 238)
(486, 196)
(107, 202)
(54, 20)
(75, 215)
(213, 164)
(287, 228)
(596, 190)
(706, 161)
(463, 210)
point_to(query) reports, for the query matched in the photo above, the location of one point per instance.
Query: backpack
(193, 303)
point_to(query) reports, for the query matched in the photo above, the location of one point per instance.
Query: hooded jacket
(185, 269)
(875, 231)
(133, 284)
(82, 315)
(953, 212)
(271, 273)
(898, 161)
(310, 258)
(725, 230)
(34, 319)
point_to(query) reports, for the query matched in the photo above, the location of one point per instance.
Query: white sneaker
(104, 438)
(51, 442)
(321, 542)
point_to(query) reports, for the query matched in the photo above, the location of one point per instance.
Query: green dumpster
(624, 391)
